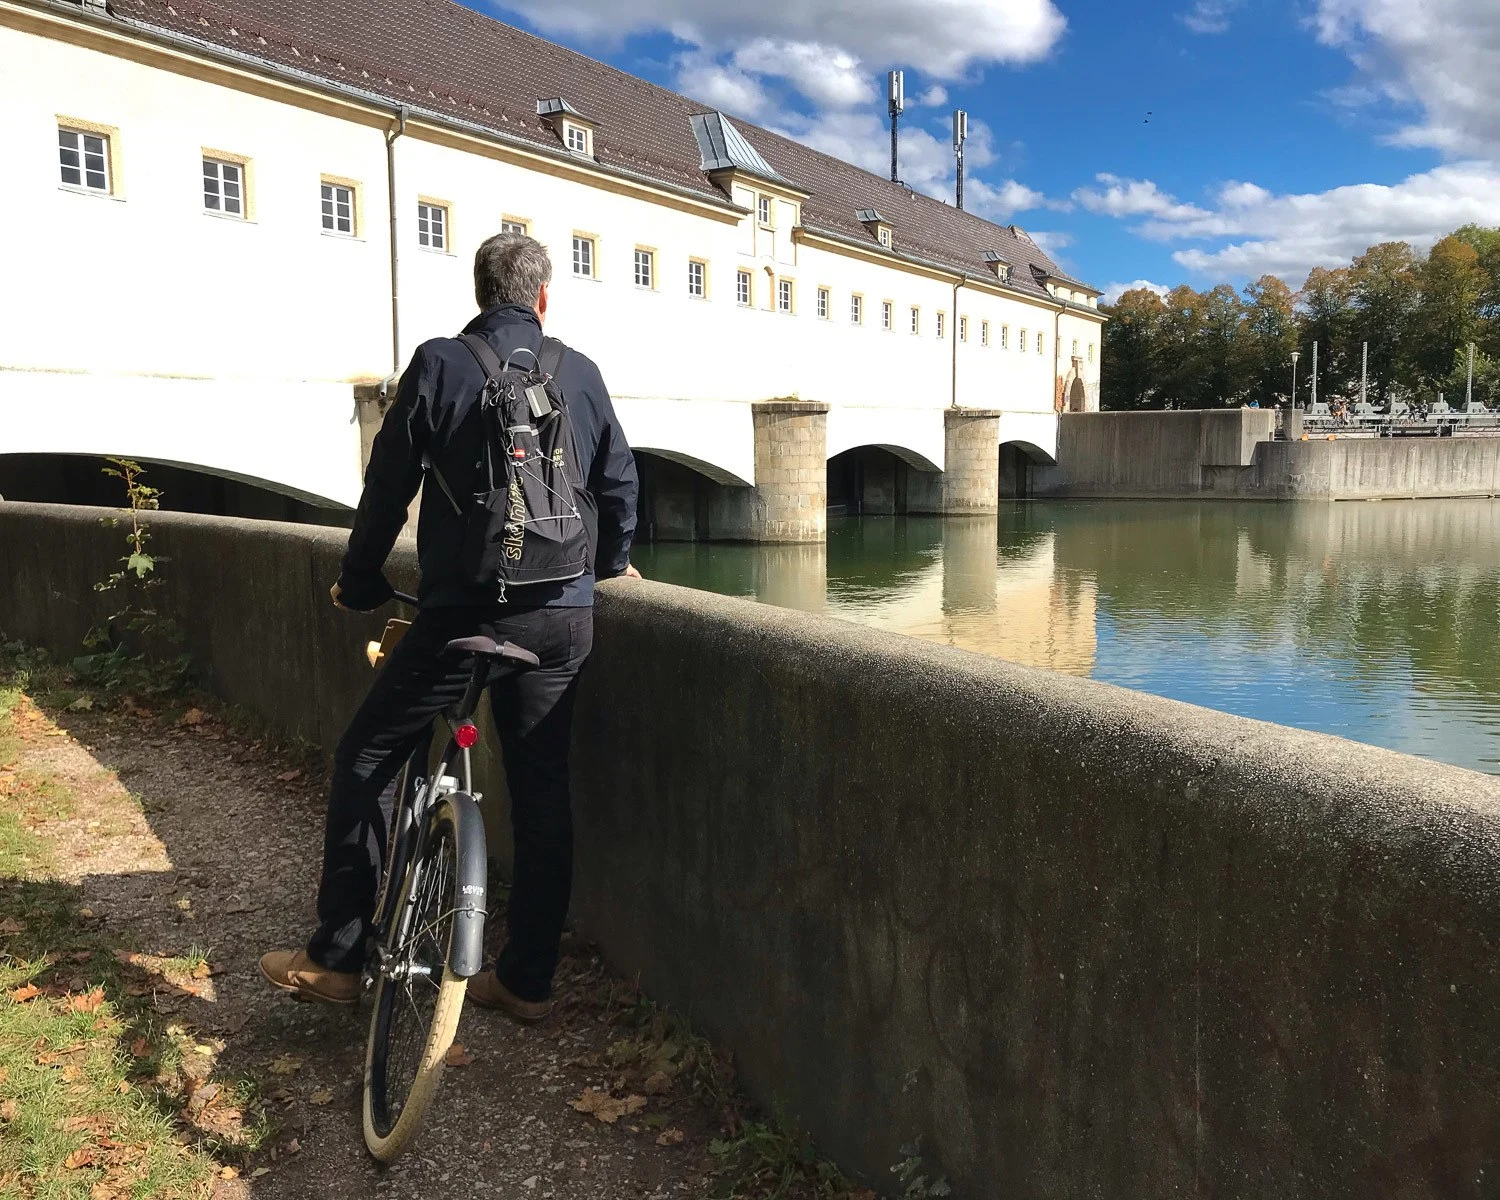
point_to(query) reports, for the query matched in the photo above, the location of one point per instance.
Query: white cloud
(1288, 234)
(1000, 200)
(1209, 16)
(826, 75)
(1114, 291)
(941, 38)
(1133, 198)
(1441, 56)
(721, 86)
(933, 97)
(1051, 241)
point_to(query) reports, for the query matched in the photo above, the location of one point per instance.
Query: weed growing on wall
(137, 645)
(909, 1172)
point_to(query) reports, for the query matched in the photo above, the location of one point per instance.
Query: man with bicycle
(434, 428)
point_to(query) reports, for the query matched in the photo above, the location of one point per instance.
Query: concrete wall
(1085, 942)
(1228, 453)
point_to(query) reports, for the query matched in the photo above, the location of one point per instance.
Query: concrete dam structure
(1231, 453)
(1084, 942)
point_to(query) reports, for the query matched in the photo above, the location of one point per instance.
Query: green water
(1378, 622)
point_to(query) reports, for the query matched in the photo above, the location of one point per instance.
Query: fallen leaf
(9, 1110)
(285, 1064)
(140, 1048)
(293, 1146)
(102, 1191)
(202, 971)
(259, 1171)
(229, 1173)
(82, 704)
(22, 994)
(123, 1087)
(321, 1096)
(87, 1002)
(607, 1108)
(289, 776)
(72, 1073)
(657, 1084)
(457, 1056)
(669, 1137)
(193, 716)
(11, 925)
(82, 1157)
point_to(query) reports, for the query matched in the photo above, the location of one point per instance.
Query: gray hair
(510, 268)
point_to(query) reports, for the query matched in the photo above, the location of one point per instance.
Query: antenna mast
(960, 136)
(896, 93)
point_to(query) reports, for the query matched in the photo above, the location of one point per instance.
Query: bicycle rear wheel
(417, 998)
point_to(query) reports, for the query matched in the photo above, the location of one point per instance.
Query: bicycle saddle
(490, 647)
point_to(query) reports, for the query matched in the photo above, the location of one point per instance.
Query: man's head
(511, 268)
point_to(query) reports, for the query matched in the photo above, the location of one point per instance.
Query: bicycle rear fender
(466, 950)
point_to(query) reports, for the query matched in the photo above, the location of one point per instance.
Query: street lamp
(1296, 354)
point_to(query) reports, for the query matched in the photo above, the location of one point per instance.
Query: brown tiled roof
(439, 56)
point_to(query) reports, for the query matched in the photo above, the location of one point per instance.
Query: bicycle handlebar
(410, 601)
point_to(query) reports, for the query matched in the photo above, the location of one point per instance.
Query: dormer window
(574, 129)
(998, 265)
(876, 224)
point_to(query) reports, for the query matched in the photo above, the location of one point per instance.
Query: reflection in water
(1379, 622)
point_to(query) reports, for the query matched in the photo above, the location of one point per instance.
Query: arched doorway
(1078, 400)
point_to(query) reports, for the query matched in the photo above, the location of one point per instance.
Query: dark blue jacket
(436, 415)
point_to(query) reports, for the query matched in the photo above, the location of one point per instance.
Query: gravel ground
(210, 839)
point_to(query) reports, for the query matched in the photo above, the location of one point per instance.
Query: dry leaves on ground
(457, 1056)
(669, 1137)
(607, 1108)
(285, 1064)
(22, 994)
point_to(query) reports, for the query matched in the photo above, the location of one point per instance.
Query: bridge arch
(1018, 458)
(683, 498)
(882, 480)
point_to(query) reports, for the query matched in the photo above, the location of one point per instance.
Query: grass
(97, 1098)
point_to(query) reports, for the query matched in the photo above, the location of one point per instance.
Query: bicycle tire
(392, 1119)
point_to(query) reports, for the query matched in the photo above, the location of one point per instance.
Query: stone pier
(971, 470)
(791, 471)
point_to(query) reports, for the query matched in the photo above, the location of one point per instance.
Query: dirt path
(192, 839)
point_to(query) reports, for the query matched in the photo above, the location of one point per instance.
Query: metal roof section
(870, 216)
(722, 147)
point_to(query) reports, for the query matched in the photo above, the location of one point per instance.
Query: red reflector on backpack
(518, 453)
(467, 736)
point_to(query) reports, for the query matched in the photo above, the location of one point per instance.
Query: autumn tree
(1132, 347)
(1447, 315)
(1385, 287)
(1270, 336)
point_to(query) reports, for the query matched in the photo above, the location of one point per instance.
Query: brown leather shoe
(486, 990)
(292, 971)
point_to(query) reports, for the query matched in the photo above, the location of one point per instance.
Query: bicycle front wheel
(417, 998)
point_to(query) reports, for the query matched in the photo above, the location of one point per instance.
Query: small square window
(942, 325)
(223, 187)
(338, 209)
(784, 295)
(763, 208)
(887, 314)
(1023, 341)
(856, 310)
(432, 226)
(84, 159)
(645, 269)
(697, 278)
(514, 227)
(916, 320)
(583, 257)
(576, 137)
(963, 329)
(742, 288)
(823, 304)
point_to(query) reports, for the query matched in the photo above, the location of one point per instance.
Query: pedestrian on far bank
(434, 428)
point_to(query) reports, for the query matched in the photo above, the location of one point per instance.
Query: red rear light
(467, 736)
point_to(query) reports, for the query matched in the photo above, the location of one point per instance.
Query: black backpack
(531, 518)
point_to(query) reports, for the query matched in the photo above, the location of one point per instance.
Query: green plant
(775, 1160)
(135, 644)
(909, 1172)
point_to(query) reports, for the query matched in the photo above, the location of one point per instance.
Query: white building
(222, 225)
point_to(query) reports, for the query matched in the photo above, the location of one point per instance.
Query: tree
(1385, 293)
(1221, 348)
(1327, 317)
(1132, 345)
(1270, 336)
(1447, 314)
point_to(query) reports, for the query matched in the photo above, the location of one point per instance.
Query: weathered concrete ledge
(1228, 453)
(1085, 942)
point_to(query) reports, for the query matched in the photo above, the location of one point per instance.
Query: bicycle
(428, 935)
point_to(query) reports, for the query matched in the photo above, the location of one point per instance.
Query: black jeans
(533, 713)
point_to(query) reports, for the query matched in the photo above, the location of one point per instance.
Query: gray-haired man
(435, 419)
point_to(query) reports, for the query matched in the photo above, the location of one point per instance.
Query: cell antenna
(960, 136)
(896, 93)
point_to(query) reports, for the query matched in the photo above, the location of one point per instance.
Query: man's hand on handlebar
(361, 593)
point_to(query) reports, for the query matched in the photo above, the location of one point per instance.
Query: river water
(1375, 621)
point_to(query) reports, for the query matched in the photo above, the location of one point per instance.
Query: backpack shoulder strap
(489, 361)
(551, 358)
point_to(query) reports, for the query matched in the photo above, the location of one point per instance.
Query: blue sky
(1283, 134)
